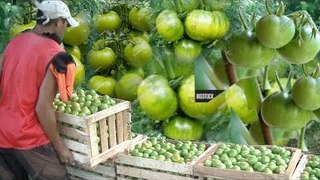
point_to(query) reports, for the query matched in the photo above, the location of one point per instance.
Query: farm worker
(33, 68)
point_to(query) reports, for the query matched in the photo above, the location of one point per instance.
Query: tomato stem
(232, 77)
(243, 21)
(268, 7)
(266, 131)
(301, 143)
(280, 9)
(266, 83)
(316, 72)
(278, 81)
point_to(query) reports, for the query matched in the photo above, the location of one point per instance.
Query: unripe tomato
(141, 19)
(80, 72)
(169, 26)
(156, 98)
(204, 25)
(220, 5)
(16, 29)
(187, 50)
(296, 53)
(306, 93)
(107, 22)
(101, 59)
(127, 86)
(138, 54)
(102, 84)
(244, 49)
(275, 31)
(77, 35)
(198, 110)
(280, 111)
(74, 50)
(183, 128)
(180, 5)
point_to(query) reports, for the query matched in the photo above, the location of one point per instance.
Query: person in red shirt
(30, 76)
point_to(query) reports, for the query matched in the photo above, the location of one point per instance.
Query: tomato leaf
(252, 91)
(226, 126)
(238, 132)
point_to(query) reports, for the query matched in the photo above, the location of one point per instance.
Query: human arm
(47, 119)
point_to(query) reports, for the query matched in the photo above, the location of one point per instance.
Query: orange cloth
(65, 80)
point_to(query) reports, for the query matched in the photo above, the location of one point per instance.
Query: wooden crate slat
(84, 174)
(119, 122)
(107, 112)
(101, 169)
(112, 130)
(126, 124)
(76, 146)
(148, 174)
(75, 178)
(104, 134)
(154, 164)
(80, 158)
(71, 119)
(94, 141)
(74, 133)
(293, 162)
(109, 153)
(121, 178)
(302, 164)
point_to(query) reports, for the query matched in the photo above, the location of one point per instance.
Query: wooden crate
(95, 138)
(103, 171)
(128, 166)
(210, 172)
(302, 164)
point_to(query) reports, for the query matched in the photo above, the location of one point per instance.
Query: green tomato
(183, 128)
(279, 111)
(296, 52)
(306, 93)
(169, 26)
(275, 31)
(244, 49)
(187, 51)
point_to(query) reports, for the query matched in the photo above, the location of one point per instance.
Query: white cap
(53, 9)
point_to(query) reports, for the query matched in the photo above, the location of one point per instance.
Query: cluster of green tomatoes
(312, 169)
(163, 150)
(83, 103)
(264, 159)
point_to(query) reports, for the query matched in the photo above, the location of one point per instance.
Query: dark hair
(40, 21)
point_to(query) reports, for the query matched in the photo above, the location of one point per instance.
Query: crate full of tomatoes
(94, 127)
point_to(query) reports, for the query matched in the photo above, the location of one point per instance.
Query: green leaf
(239, 134)
(226, 126)
(252, 91)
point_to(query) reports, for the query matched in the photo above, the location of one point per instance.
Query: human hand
(65, 155)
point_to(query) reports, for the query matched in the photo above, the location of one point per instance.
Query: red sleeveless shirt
(25, 63)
